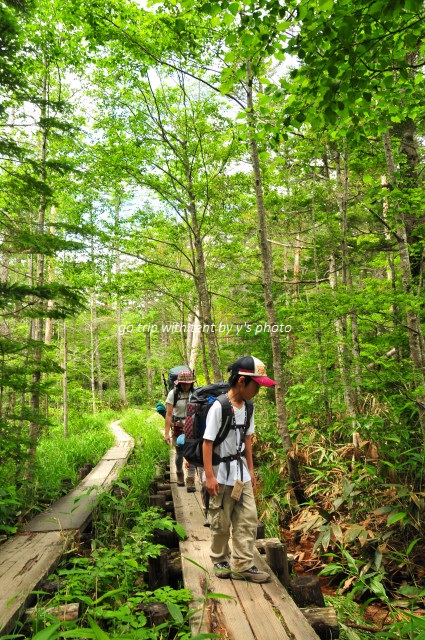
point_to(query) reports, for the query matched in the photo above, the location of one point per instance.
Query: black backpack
(198, 406)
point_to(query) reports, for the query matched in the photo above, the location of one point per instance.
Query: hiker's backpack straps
(226, 418)
(176, 395)
(228, 421)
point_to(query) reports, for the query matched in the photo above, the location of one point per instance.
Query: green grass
(57, 457)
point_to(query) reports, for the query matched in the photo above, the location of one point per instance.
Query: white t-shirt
(180, 409)
(230, 446)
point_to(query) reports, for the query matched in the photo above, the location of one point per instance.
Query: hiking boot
(190, 483)
(222, 569)
(180, 479)
(251, 575)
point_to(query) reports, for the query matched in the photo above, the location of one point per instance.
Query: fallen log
(63, 612)
(324, 621)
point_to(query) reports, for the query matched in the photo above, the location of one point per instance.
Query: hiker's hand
(212, 486)
(167, 438)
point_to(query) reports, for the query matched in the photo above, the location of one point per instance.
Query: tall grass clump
(88, 440)
(147, 429)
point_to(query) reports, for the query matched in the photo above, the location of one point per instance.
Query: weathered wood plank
(28, 558)
(25, 561)
(259, 610)
(73, 511)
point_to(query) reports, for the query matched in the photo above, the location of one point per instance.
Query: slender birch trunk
(120, 353)
(37, 323)
(414, 330)
(266, 262)
(148, 363)
(202, 284)
(65, 381)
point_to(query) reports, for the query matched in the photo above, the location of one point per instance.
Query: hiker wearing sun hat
(230, 482)
(176, 403)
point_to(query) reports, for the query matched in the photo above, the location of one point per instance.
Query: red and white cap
(253, 367)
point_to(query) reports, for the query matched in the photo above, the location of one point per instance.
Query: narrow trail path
(31, 555)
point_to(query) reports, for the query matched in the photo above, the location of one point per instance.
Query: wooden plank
(217, 615)
(73, 511)
(28, 558)
(25, 561)
(117, 453)
(293, 617)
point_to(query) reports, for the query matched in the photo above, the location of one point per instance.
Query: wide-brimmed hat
(185, 376)
(253, 367)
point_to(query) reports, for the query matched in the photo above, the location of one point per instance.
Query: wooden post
(167, 493)
(156, 612)
(153, 487)
(163, 487)
(157, 501)
(324, 621)
(278, 562)
(307, 592)
(158, 570)
(260, 530)
(167, 538)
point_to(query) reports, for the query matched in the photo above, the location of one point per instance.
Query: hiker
(176, 403)
(230, 483)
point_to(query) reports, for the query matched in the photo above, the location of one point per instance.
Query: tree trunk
(92, 357)
(321, 364)
(97, 354)
(341, 347)
(120, 354)
(148, 365)
(202, 285)
(37, 323)
(196, 341)
(65, 381)
(415, 336)
(347, 281)
(266, 262)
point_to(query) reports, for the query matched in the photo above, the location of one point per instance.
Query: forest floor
(308, 563)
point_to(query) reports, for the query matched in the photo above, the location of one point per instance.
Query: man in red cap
(230, 482)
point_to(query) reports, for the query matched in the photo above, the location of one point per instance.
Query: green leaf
(99, 634)
(228, 19)
(411, 545)
(175, 612)
(46, 634)
(326, 5)
(396, 517)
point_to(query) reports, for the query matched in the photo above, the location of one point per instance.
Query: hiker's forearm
(211, 483)
(248, 455)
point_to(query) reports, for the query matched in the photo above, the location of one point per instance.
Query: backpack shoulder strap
(250, 410)
(226, 419)
(176, 395)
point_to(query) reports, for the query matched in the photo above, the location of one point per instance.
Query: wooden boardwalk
(30, 556)
(251, 611)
